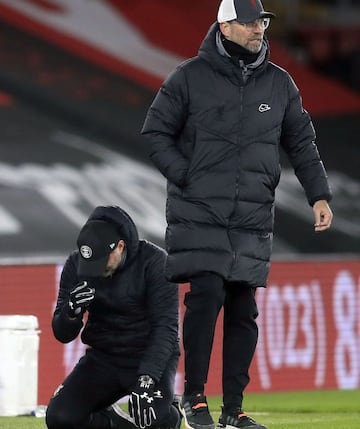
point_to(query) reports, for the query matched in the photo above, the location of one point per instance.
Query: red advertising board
(309, 327)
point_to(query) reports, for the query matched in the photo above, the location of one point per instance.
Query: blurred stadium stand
(324, 34)
(71, 114)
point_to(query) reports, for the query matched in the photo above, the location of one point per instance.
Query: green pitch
(325, 409)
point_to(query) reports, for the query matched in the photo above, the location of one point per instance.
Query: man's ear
(224, 28)
(121, 244)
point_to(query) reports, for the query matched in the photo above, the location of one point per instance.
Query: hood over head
(99, 236)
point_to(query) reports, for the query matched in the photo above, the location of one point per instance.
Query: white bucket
(19, 350)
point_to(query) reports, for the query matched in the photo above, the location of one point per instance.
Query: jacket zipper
(237, 191)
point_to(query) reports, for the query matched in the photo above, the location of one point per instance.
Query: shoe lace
(199, 403)
(242, 415)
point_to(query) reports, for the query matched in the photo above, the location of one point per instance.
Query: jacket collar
(212, 51)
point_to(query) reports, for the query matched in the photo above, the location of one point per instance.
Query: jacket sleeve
(64, 328)
(162, 303)
(299, 142)
(163, 125)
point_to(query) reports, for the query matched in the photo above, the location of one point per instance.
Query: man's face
(114, 260)
(250, 36)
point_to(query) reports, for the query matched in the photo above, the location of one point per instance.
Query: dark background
(70, 130)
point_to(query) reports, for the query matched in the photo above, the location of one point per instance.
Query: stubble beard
(254, 48)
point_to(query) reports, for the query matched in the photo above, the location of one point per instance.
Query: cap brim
(267, 15)
(263, 14)
(94, 268)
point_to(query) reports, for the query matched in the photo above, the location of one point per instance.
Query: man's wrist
(146, 381)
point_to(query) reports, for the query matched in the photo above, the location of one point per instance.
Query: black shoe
(238, 419)
(196, 413)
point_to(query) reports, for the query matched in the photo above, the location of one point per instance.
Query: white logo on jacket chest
(264, 107)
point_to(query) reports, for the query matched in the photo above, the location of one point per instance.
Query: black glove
(141, 401)
(80, 298)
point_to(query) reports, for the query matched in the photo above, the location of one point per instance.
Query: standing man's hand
(80, 298)
(322, 215)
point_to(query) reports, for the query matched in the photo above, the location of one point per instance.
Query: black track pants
(207, 295)
(94, 384)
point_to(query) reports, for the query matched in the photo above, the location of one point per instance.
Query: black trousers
(95, 383)
(208, 294)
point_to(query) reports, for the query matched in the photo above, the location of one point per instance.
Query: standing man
(131, 328)
(214, 131)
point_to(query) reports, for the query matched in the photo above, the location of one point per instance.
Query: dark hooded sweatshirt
(133, 318)
(214, 131)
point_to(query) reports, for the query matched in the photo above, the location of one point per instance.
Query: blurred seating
(323, 34)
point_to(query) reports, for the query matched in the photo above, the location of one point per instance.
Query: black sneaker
(238, 419)
(196, 413)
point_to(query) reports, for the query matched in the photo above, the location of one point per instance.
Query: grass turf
(325, 409)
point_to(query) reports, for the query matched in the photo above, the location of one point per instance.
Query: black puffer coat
(134, 316)
(216, 138)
